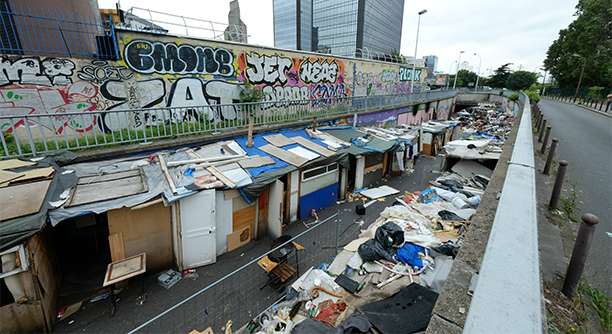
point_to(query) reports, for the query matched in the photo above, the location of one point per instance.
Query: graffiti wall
(182, 80)
(437, 110)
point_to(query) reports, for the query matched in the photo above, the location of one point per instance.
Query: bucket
(474, 200)
(459, 203)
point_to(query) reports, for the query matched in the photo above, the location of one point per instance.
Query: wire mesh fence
(249, 290)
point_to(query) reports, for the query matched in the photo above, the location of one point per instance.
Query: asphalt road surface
(585, 141)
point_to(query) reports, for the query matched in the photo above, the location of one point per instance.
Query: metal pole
(551, 153)
(542, 130)
(579, 254)
(539, 121)
(554, 199)
(478, 75)
(458, 64)
(449, 69)
(545, 143)
(580, 80)
(415, 50)
(337, 230)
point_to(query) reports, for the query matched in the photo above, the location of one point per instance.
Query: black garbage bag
(371, 250)
(447, 249)
(448, 215)
(389, 235)
(465, 192)
(451, 183)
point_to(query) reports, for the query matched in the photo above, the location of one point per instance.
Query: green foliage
(595, 93)
(513, 97)
(500, 77)
(589, 36)
(396, 57)
(520, 80)
(603, 306)
(569, 205)
(464, 77)
(250, 94)
(532, 92)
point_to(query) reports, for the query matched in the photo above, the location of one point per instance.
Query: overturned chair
(276, 265)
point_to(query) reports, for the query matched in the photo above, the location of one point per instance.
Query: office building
(367, 28)
(432, 66)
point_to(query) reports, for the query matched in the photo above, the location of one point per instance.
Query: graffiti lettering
(363, 78)
(318, 71)
(288, 95)
(100, 72)
(170, 58)
(32, 71)
(405, 74)
(388, 76)
(266, 69)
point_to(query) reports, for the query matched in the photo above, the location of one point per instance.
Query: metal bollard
(579, 254)
(554, 199)
(542, 131)
(551, 153)
(545, 143)
(540, 117)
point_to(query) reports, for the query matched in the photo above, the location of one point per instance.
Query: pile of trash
(402, 258)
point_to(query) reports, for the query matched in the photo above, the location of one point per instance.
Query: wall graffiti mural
(291, 81)
(99, 71)
(33, 71)
(169, 58)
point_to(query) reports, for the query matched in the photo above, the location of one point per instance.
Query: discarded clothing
(447, 215)
(409, 254)
(447, 249)
(429, 195)
(329, 312)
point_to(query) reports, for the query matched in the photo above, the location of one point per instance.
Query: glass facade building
(340, 27)
(293, 24)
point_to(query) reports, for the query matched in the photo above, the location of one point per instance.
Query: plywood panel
(145, 231)
(256, 162)
(115, 242)
(278, 140)
(22, 200)
(15, 163)
(238, 238)
(313, 146)
(22, 318)
(91, 189)
(244, 218)
(285, 156)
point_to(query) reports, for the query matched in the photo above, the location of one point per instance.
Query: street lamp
(478, 75)
(415, 50)
(449, 70)
(581, 73)
(458, 63)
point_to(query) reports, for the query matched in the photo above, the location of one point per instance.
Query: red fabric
(329, 312)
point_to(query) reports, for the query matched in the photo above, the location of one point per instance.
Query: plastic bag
(371, 250)
(389, 235)
(447, 215)
(409, 254)
(429, 195)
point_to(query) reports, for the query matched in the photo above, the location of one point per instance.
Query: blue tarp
(259, 141)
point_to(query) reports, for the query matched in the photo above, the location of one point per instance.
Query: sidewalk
(602, 112)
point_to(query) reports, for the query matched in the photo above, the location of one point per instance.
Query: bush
(532, 93)
(513, 97)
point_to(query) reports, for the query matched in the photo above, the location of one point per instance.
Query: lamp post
(458, 63)
(581, 73)
(415, 50)
(478, 75)
(449, 69)
(543, 80)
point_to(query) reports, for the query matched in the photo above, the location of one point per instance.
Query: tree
(590, 37)
(464, 77)
(500, 77)
(521, 80)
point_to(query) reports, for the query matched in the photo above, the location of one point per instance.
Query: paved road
(585, 141)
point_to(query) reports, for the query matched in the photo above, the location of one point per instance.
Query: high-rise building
(293, 24)
(342, 27)
(432, 66)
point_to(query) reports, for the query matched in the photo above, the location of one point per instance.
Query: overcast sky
(501, 32)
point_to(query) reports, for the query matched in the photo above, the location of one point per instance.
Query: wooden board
(285, 156)
(34, 174)
(238, 238)
(109, 176)
(106, 188)
(6, 176)
(243, 218)
(229, 194)
(23, 199)
(278, 140)
(117, 251)
(15, 163)
(256, 162)
(313, 146)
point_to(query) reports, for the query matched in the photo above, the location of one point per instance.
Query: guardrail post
(579, 254)
(539, 121)
(545, 143)
(554, 199)
(543, 125)
(337, 231)
(551, 153)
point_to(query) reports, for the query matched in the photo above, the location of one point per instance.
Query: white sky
(518, 31)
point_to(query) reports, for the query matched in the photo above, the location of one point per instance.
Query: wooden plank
(35, 175)
(117, 251)
(109, 176)
(23, 318)
(164, 168)
(22, 200)
(15, 163)
(256, 162)
(243, 218)
(238, 238)
(313, 146)
(229, 194)
(6, 176)
(285, 156)
(373, 168)
(103, 191)
(278, 140)
(124, 269)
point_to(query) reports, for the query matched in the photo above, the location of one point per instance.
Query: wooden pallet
(284, 272)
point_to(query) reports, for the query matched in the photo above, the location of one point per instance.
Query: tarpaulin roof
(374, 144)
(18, 230)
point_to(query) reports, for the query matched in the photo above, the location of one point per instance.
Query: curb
(579, 105)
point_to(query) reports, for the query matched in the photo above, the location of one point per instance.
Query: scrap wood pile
(403, 258)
